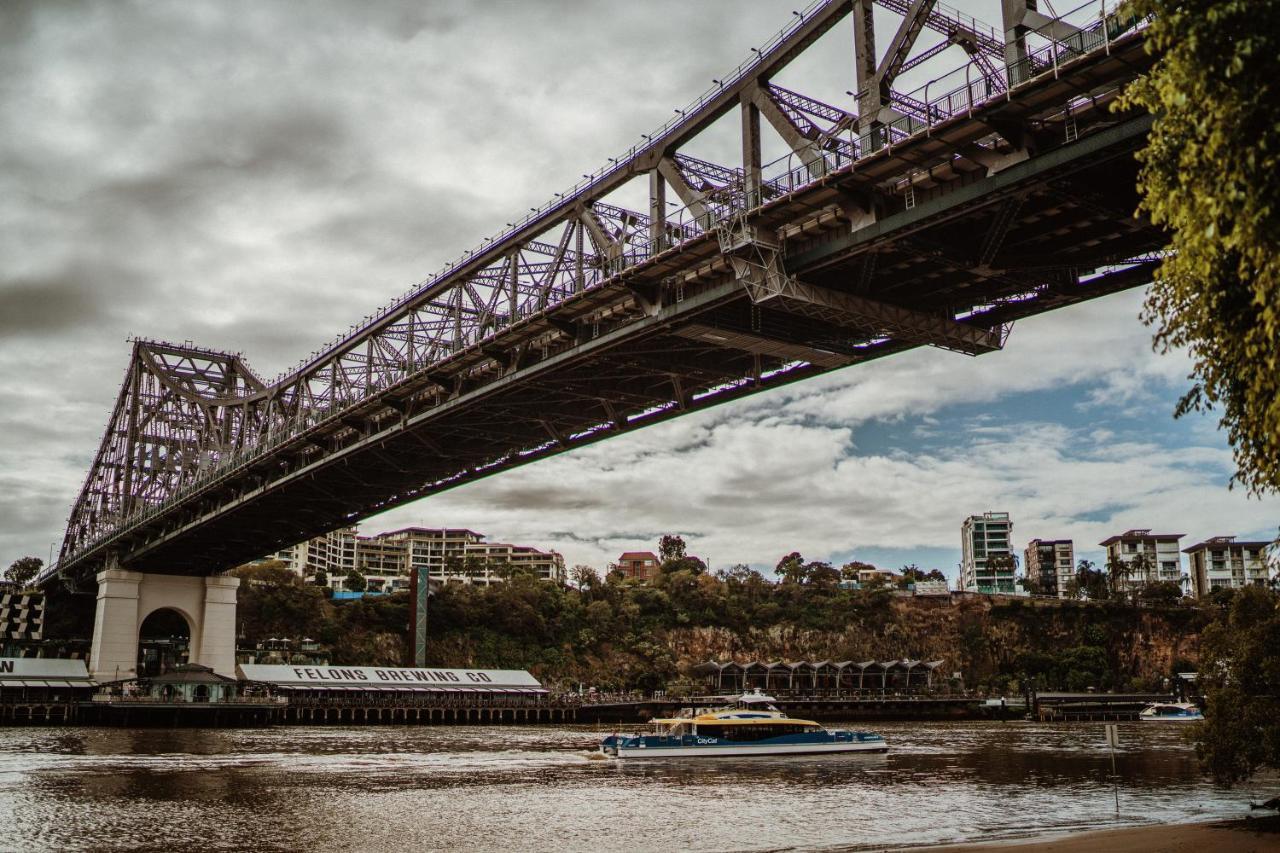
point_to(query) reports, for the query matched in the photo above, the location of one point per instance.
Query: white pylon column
(218, 633)
(126, 599)
(114, 653)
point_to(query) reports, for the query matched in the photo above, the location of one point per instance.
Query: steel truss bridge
(936, 217)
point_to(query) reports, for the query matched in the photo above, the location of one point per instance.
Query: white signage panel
(58, 668)
(371, 676)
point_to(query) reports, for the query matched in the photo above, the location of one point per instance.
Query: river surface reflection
(413, 788)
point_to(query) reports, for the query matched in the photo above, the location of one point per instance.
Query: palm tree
(1118, 573)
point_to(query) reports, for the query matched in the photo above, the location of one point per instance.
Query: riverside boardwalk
(1094, 707)
(58, 692)
(870, 706)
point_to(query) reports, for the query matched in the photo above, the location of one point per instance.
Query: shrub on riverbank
(1241, 679)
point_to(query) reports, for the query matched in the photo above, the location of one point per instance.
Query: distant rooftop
(436, 532)
(1225, 542)
(1139, 534)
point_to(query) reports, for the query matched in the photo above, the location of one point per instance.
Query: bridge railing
(789, 174)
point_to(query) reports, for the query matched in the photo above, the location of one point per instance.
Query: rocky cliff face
(980, 637)
(992, 642)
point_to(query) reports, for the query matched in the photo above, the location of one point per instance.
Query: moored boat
(1171, 712)
(750, 726)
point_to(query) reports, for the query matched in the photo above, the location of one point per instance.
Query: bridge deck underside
(948, 237)
(726, 350)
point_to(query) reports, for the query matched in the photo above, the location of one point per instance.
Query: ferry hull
(652, 752)
(1187, 719)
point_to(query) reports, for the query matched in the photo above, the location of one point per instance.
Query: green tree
(321, 578)
(822, 575)
(1002, 564)
(1211, 176)
(355, 581)
(671, 548)
(792, 568)
(1220, 596)
(1118, 574)
(23, 570)
(849, 571)
(1240, 672)
(1161, 592)
(1089, 582)
(473, 567)
(584, 577)
(272, 572)
(452, 565)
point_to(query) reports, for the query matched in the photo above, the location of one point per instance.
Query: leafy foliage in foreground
(1211, 175)
(1240, 670)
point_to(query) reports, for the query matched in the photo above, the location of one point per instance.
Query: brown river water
(510, 788)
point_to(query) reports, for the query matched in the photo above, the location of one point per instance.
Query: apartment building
(1051, 562)
(1148, 557)
(333, 553)
(386, 560)
(987, 563)
(378, 556)
(497, 558)
(1220, 562)
(440, 550)
(460, 554)
(642, 565)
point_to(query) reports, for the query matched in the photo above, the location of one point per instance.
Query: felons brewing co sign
(369, 676)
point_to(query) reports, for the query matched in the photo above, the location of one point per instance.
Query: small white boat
(751, 725)
(1171, 712)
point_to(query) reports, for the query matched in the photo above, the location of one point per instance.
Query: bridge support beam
(873, 317)
(126, 599)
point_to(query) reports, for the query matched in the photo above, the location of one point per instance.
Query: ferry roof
(754, 720)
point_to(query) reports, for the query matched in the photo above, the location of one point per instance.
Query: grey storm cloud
(256, 176)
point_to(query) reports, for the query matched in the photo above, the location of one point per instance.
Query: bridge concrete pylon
(126, 599)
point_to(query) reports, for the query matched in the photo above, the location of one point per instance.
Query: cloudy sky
(255, 176)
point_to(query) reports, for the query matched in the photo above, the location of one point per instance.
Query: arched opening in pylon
(164, 641)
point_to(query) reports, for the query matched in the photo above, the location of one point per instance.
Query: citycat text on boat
(750, 725)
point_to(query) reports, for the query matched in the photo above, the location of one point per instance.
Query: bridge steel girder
(576, 303)
(877, 318)
(1120, 140)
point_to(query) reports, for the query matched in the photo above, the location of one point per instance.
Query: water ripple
(441, 788)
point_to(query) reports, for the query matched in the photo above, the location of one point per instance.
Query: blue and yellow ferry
(750, 726)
